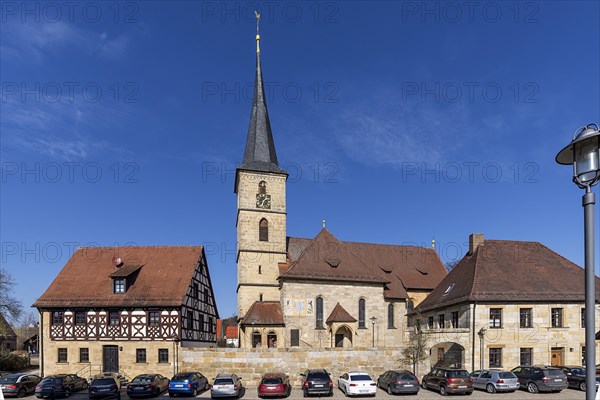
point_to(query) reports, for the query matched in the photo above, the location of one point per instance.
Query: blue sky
(121, 123)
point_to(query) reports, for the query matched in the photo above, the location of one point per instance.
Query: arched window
(256, 339)
(390, 316)
(361, 313)
(262, 187)
(263, 230)
(319, 320)
(410, 305)
(271, 339)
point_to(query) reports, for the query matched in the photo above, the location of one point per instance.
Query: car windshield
(360, 378)
(142, 379)
(51, 381)
(103, 381)
(223, 381)
(507, 375)
(8, 379)
(318, 375)
(271, 381)
(554, 373)
(458, 374)
(180, 377)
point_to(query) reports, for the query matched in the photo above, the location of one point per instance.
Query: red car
(274, 385)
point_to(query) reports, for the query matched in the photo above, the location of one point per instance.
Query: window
(582, 355)
(260, 297)
(430, 322)
(271, 340)
(262, 187)
(201, 322)
(441, 321)
(80, 318)
(195, 290)
(84, 355)
(210, 324)
(153, 318)
(583, 319)
(163, 355)
(525, 318)
(140, 355)
(206, 295)
(62, 355)
(260, 269)
(295, 337)
(190, 319)
(557, 317)
(319, 319)
(410, 305)
(263, 230)
(119, 285)
(495, 318)
(526, 356)
(390, 316)
(58, 317)
(455, 319)
(361, 313)
(256, 339)
(113, 318)
(495, 357)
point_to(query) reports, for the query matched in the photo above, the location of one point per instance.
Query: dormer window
(119, 285)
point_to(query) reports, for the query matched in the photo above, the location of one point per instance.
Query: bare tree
(10, 306)
(417, 349)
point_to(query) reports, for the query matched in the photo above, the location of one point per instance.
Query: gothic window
(271, 339)
(319, 321)
(263, 230)
(391, 316)
(410, 305)
(256, 339)
(361, 313)
(262, 187)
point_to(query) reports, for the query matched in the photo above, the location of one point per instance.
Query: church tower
(261, 207)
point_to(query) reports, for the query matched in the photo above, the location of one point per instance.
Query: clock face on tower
(263, 201)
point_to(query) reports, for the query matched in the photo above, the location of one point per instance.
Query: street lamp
(373, 319)
(175, 355)
(583, 154)
(481, 334)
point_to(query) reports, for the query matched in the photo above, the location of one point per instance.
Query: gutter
(473, 339)
(41, 343)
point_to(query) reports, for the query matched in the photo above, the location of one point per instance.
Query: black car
(18, 385)
(59, 386)
(317, 381)
(104, 386)
(540, 378)
(576, 377)
(402, 381)
(147, 385)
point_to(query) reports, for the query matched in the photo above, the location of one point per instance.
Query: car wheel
(424, 384)
(67, 392)
(532, 387)
(194, 392)
(582, 386)
(85, 386)
(304, 393)
(21, 393)
(443, 390)
(206, 386)
(389, 390)
(490, 388)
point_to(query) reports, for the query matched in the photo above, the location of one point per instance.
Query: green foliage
(13, 362)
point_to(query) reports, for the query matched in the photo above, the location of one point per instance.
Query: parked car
(495, 380)
(576, 377)
(540, 379)
(189, 383)
(276, 384)
(105, 385)
(398, 382)
(448, 380)
(316, 381)
(147, 385)
(59, 386)
(226, 385)
(18, 385)
(357, 383)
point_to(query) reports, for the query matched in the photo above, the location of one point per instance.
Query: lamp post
(175, 355)
(373, 319)
(481, 334)
(583, 154)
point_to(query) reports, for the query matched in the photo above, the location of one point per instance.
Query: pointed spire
(260, 148)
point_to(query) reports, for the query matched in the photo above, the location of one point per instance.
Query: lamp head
(584, 154)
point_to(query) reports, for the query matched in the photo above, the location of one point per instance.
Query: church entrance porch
(343, 337)
(447, 355)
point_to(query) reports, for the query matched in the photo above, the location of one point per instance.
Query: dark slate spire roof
(260, 148)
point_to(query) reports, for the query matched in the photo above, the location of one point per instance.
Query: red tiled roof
(264, 313)
(339, 314)
(85, 279)
(231, 332)
(505, 270)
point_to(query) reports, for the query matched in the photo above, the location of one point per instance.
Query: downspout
(41, 343)
(473, 339)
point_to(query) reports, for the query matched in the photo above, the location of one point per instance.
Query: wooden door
(557, 356)
(110, 358)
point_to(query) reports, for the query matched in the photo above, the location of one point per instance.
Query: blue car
(188, 383)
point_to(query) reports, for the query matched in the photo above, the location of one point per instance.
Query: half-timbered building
(127, 310)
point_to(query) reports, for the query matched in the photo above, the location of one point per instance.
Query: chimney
(475, 239)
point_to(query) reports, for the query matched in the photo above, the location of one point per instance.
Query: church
(318, 292)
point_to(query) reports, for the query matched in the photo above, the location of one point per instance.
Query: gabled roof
(339, 314)
(125, 271)
(264, 313)
(85, 280)
(5, 329)
(326, 258)
(505, 270)
(402, 267)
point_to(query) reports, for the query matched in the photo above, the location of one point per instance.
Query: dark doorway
(110, 358)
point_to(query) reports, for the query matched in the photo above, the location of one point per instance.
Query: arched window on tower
(262, 187)
(319, 320)
(361, 313)
(391, 316)
(263, 230)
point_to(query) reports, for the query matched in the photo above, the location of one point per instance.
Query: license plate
(408, 385)
(103, 389)
(462, 387)
(558, 380)
(178, 385)
(363, 391)
(138, 388)
(318, 385)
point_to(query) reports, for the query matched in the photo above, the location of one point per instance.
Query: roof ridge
(390, 245)
(475, 271)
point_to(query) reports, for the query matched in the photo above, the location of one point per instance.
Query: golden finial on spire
(257, 33)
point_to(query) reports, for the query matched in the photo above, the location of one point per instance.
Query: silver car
(495, 380)
(226, 385)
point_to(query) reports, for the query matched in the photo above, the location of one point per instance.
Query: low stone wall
(250, 364)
